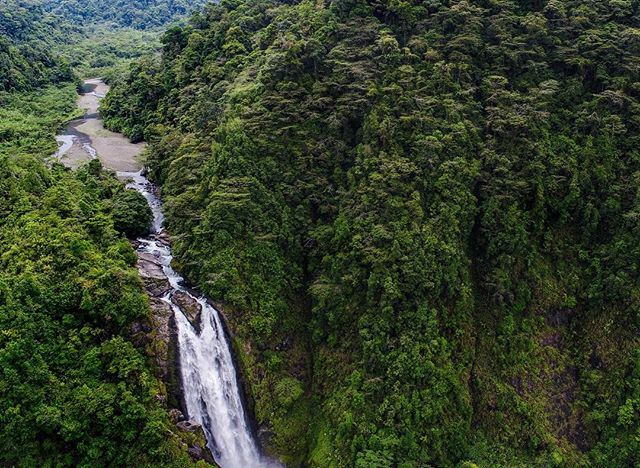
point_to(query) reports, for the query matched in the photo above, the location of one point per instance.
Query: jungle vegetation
(75, 391)
(41, 41)
(26, 38)
(422, 218)
(137, 14)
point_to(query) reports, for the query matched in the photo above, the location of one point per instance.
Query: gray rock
(156, 287)
(189, 426)
(155, 281)
(197, 453)
(265, 435)
(176, 416)
(136, 327)
(150, 258)
(163, 236)
(191, 308)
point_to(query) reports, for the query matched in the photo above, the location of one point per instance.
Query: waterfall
(209, 381)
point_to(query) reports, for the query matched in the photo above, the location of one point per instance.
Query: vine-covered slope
(422, 218)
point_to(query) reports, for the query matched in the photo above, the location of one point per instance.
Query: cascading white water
(209, 381)
(65, 142)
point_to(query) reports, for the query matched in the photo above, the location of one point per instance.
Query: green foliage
(26, 37)
(138, 14)
(75, 392)
(131, 213)
(434, 204)
(41, 41)
(288, 390)
(30, 120)
(105, 51)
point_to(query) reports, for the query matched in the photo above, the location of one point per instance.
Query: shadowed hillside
(422, 218)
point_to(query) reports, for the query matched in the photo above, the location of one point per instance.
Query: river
(210, 386)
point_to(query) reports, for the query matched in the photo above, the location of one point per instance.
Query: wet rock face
(265, 435)
(163, 348)
(150, 270)
(161, 339)
(191, 308)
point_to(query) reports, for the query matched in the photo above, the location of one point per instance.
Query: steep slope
(75, 390)
(421, 218)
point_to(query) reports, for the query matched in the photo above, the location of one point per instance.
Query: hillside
(41, 39)
(421, 219)
(27, 35)
(138, 14)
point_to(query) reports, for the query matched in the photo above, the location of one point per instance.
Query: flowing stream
(211, 391)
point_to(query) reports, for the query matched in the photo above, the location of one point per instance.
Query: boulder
(163, 236)
(193, 435)
(176, 416)
(156, 287)
(150, 270)
(189, 426)
(150, 258)
(197, 453)
(190, 306)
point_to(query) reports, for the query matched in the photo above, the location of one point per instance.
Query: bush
(131, 213)
(288, 390)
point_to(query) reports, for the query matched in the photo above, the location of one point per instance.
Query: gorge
(209, 387)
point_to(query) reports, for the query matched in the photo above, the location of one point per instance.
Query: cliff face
(421, 218)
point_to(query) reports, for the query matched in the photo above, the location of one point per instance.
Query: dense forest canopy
(27, 35)
(138, 14)
(41, 39)
(422, 218)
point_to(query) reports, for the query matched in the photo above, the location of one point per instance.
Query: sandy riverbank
(85, 138)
